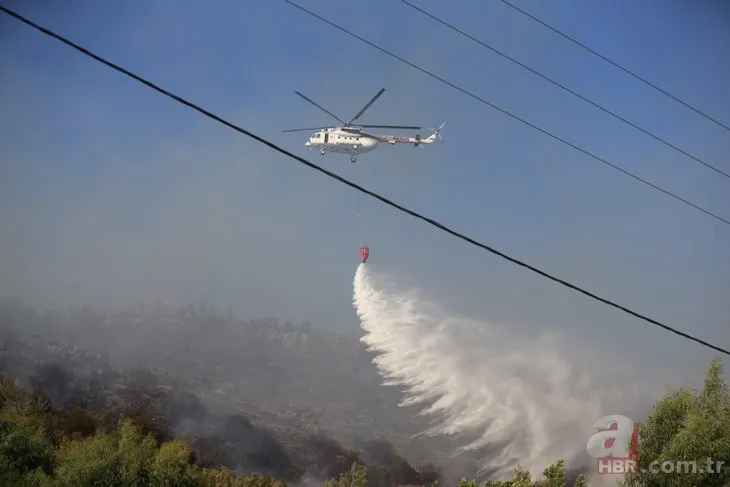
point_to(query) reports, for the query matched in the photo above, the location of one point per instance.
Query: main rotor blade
(377, 95)
(322, 108)
(404, 127)
(302, 130)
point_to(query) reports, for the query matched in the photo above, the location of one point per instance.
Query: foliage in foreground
(36, 449)
(125, 456)
(687, 427)
(553, 476)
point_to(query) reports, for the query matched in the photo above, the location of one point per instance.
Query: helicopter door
(326, 137)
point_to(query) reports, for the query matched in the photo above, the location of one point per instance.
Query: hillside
(301, 387)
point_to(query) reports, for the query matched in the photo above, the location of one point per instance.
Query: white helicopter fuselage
(342, 142)
(354, 143)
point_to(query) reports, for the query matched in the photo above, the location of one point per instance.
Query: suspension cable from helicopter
(359, 216)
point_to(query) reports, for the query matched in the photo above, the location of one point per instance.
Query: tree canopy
(684, 431)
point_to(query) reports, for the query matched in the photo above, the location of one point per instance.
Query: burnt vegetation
(78, 392)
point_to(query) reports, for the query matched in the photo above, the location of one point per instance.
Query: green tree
(554, 476)
(686, 429)
(356, 477)
(26, 453)
(172, 466)
(223, 477)
(218, 477)
(522, 478)
(136, 454)
(91, 461)
(464, 482)
(129, 459)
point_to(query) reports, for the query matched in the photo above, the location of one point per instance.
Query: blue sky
(111, 194)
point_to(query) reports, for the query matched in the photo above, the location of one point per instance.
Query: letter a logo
(614, 434)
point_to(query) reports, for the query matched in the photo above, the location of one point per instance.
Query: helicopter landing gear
(353, 159)
(321, 151)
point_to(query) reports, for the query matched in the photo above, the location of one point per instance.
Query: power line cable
(550, 80)
(615, 64)
(388, 202)
(529, 124)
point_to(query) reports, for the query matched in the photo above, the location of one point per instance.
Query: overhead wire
(512, 115)
(332, 175)
(617, 65)
(559, 85)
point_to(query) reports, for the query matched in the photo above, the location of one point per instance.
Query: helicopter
(350, 139)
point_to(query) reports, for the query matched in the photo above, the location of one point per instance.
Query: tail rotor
(437, 132)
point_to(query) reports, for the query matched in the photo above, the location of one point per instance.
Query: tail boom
(417, 140)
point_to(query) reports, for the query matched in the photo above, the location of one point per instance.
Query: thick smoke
(521, 400)
(212, 391)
